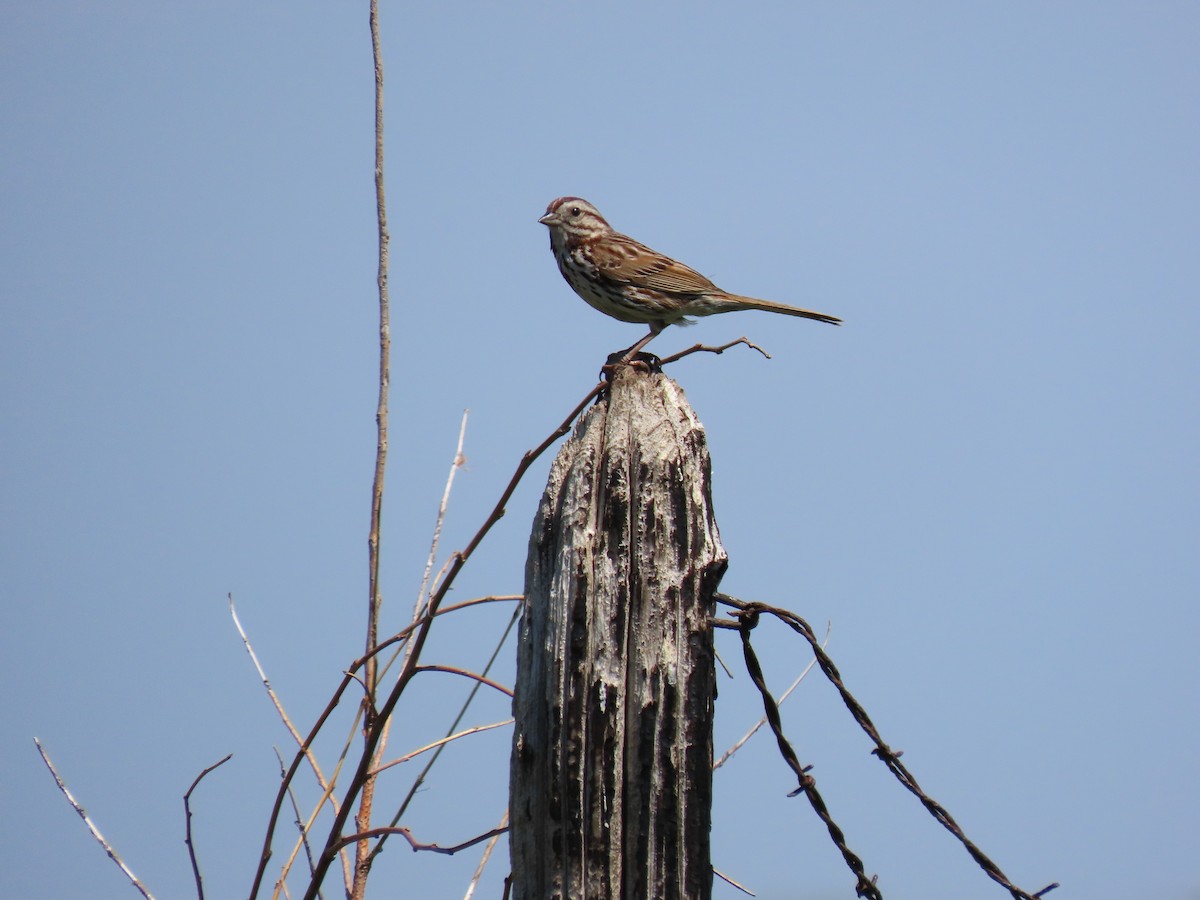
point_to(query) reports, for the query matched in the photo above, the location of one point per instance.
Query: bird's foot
(647, 362)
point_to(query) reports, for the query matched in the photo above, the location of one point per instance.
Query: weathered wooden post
(611, 778)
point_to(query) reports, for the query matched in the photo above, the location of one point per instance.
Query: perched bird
(628, 281)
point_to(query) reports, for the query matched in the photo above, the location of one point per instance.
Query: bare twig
(704, 348)
(371, 735)
(367, 761)
(421, 631)
(498, 512)
(275, 701)
(419, 605)
(728, 880)
(325, 786)
(483, 860)
(348, 679)
(417, 845)
(381, 410)
(441, 742)
(300, 827)
(465, 673)
(187, 816)
(441, 573)
(725, 757)
(462, 712)
(305, 827)
(721, 662)
(458, 462)
(401, 636)
(95, 832)
(262, 675)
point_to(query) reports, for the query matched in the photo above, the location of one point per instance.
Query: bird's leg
(630, 357)
(633, 351)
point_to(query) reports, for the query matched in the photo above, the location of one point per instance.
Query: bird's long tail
(771, 306)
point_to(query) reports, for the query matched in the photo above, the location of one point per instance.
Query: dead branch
(417, 845)
(728, 754)
(730, 881)
(704, 348)
(455, 670)
(459, 461)
(483, 860)
(187, 815)
(300, 827)
(287, 723)
(366, 790)
(421, 635)
(441, 742)
(91, 826)
(462, 712)
(348, 679)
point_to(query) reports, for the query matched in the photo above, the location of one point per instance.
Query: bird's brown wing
(625, 260)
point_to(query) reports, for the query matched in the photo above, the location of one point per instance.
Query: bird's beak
(549, 219)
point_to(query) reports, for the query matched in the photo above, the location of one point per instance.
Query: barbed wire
(746, 615)
(808, 785)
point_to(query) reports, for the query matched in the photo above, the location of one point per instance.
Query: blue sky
(986, 481)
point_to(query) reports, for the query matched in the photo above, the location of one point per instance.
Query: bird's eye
(575, 211)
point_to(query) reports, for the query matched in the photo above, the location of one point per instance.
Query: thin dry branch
(385, 343)
(728, 754)
(275, 701)
(459, 559)
(91, 826)
(483, 860)
(417, 845)
(348, 679)
(187, 816)
(441, 742)
(367, 760)
(421, 630)
(459, 461)
(466, 673)
(462, 712)
(705, 348)
(303, 833)
(366, 790)
(730, 881)
(401, 636)
(305, 827)
(326, 786)
(419, 605)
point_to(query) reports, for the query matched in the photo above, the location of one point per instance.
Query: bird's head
(575, 218)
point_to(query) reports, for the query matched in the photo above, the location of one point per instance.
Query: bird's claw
(646, 362)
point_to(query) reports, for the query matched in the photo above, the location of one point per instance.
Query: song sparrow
(628, 281)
